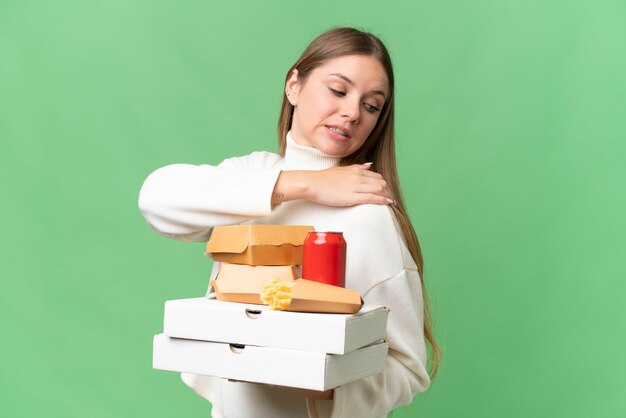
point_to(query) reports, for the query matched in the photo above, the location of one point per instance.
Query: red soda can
(324, 258)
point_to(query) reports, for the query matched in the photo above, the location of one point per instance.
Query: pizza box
(274, 366)
(208, 319)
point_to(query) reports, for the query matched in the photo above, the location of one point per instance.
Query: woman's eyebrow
(347, 80)
(344, 78)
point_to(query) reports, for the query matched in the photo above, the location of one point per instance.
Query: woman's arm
(337, 186)
(184, 202)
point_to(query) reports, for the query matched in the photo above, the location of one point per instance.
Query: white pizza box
(274, 366)
(208, 319)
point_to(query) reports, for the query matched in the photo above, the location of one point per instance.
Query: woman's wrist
(291, 185)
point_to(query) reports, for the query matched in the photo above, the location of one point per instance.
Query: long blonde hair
(379, 147)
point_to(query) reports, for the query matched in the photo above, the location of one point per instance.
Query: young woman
(335, 170)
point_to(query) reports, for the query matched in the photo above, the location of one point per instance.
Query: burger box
(208, 319)
(259, 245)
(274, 366)
(242, 283)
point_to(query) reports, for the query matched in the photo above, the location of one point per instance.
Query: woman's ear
(292, 88)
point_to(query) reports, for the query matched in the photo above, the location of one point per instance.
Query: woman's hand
(338, 186)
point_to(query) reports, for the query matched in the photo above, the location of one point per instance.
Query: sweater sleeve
(185, 202)
(405, 372)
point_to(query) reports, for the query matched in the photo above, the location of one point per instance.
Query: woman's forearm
(291, 185)
(337, 186)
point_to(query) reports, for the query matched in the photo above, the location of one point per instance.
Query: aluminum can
(324, 258)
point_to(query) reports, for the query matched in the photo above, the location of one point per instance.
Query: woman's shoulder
(368, 216)
(254, 160)
(376, 226)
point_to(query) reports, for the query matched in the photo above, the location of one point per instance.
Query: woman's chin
(334, 152)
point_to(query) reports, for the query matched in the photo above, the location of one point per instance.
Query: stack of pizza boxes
(323, 338)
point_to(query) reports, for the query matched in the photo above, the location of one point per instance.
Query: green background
(510, 126)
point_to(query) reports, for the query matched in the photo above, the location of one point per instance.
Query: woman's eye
(371, 108)
(337, 92)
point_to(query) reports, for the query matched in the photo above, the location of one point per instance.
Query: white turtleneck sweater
(185, 202)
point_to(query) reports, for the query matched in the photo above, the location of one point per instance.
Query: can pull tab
(237, 348)
(253, 313)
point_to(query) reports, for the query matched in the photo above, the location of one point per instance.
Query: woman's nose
(351, 111)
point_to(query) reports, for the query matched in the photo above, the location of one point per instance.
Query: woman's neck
(298, 157)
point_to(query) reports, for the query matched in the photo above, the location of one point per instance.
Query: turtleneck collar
(298, 157)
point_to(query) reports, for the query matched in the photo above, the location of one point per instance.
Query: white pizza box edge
(208, 319)
(274, 366)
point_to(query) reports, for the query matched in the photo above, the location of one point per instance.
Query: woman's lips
(337, 133)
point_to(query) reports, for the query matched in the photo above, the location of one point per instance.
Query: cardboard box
(258, 245)
(213, 320)
(304, 295)
(275, 366)
(242, 283)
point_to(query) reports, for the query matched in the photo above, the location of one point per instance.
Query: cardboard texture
(275, 366)
(243, 283)
(213, 320)
(259, 245)
(310, 296)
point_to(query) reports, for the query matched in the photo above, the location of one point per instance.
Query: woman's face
(337, 106)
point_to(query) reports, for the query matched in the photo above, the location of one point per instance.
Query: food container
(258, 245)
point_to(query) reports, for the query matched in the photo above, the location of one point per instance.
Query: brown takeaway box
(241, 283)
(258, 245)
(310, 296)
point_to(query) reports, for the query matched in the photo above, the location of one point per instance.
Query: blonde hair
(378, 148)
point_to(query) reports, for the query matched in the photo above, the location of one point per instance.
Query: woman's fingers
(370, 198)
(374, 185)
(376, 199)
(370, 174)
(362, 170)
(376, 192)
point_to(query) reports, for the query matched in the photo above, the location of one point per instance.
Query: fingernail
(391, 201)
(370, 163)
